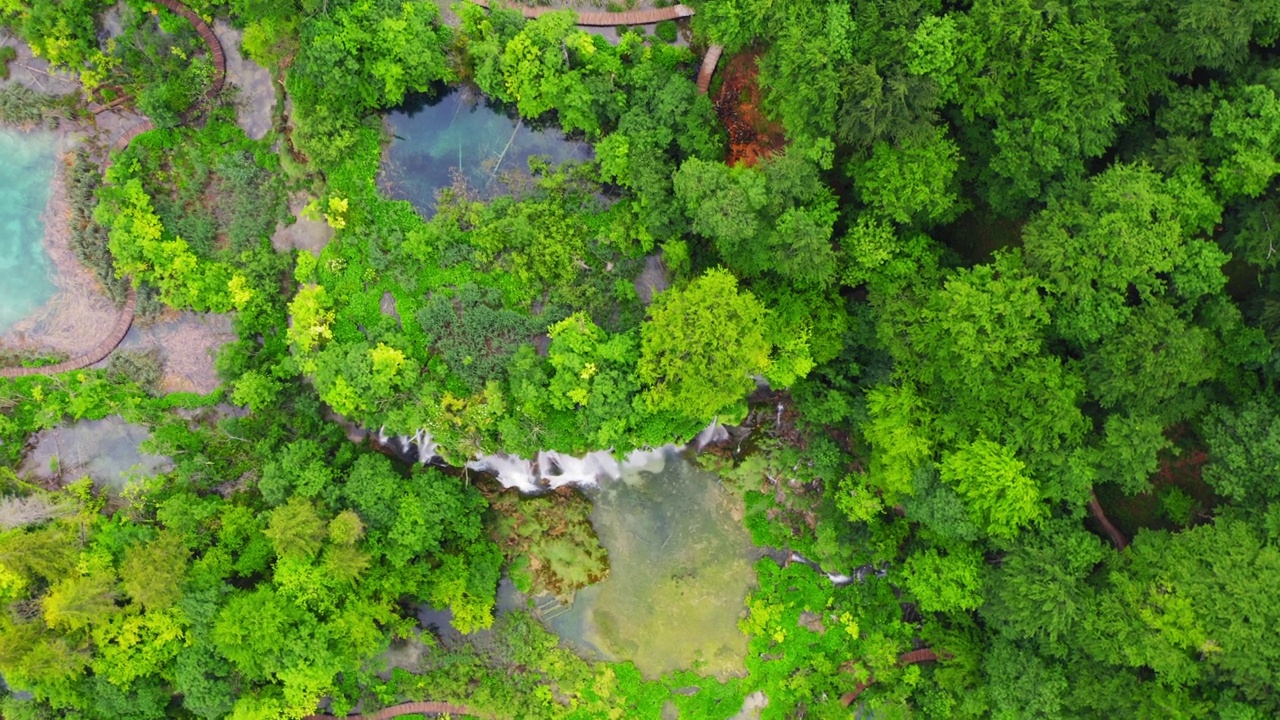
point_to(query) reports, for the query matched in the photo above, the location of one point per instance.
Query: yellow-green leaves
(994, 484)
(311, 314)
(702, 346)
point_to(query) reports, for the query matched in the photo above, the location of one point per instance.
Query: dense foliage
(1014, 271)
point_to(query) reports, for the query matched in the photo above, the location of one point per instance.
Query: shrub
(667, 31)
(22, 106)
(7, 55)
(141, 367)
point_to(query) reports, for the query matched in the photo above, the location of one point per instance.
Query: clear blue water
(26, 273)
(459, 132)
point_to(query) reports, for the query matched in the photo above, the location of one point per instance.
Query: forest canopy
(992, 284)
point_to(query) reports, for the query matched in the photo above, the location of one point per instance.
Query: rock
(652, 280)
(309, 235)
(812, 622)
(752, 707)
(257, 94)
(388, 306)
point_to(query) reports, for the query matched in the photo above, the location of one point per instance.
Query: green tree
(1042, 589)
(296, 529)
(1040, 92)
(777, 217)
(1244, 449)
(949, 582)
(1127, 227)
(701, 347)
(912, 184)
(358, 56)
(994, 484)
(152, 572)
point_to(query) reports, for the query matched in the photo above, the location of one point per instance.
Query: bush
(22, 106)
(7, 55)
(141, 367)
(88, 238)
(667, 31)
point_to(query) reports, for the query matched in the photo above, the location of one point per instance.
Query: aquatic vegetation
(548, 542)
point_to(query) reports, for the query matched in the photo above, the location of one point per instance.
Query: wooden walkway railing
(125, 320)
(210, 39)
(605, 19)
(908, 658)
(708, 67)
(634, 17)
(102, 350)
(423, 708)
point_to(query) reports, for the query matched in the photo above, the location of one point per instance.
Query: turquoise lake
(462, 132)
(25, 173)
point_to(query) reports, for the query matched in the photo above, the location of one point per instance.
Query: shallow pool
(25, 173)
(460, 133)
(107, 450)
(681, 566)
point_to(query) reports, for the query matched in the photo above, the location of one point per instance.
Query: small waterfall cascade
(712, 434)
(549, 469)
(859, 574)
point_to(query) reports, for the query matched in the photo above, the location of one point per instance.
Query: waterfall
(511, 471)
(860, 574)
(426, 446)
(549, 470)
(713, 433)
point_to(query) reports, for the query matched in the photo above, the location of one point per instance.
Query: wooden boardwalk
(605, 19)
(103, 349)
(633, 17)
(423, 708)
(708, 68)
(125, 320)
(908, 658)
(210, 40)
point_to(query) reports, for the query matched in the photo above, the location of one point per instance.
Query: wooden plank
(606, 19)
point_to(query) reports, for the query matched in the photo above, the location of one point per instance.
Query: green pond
(681, 567)
(25, 174)
(459, 132)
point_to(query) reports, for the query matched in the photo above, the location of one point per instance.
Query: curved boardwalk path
(605, 19)
(103, 349)
(125, 320)
(210, 40)
(423, 708)
(1095, 509)
(909, 658)
(632, 17)
(708, 67)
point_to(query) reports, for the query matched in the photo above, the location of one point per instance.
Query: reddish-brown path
(211, 40)
(635, 17)
(604, 19)
(424, 708)
(123, 141)
(102, 350)
(1095, 509)
(909, 658)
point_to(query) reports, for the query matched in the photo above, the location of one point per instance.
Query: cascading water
(549, 469)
